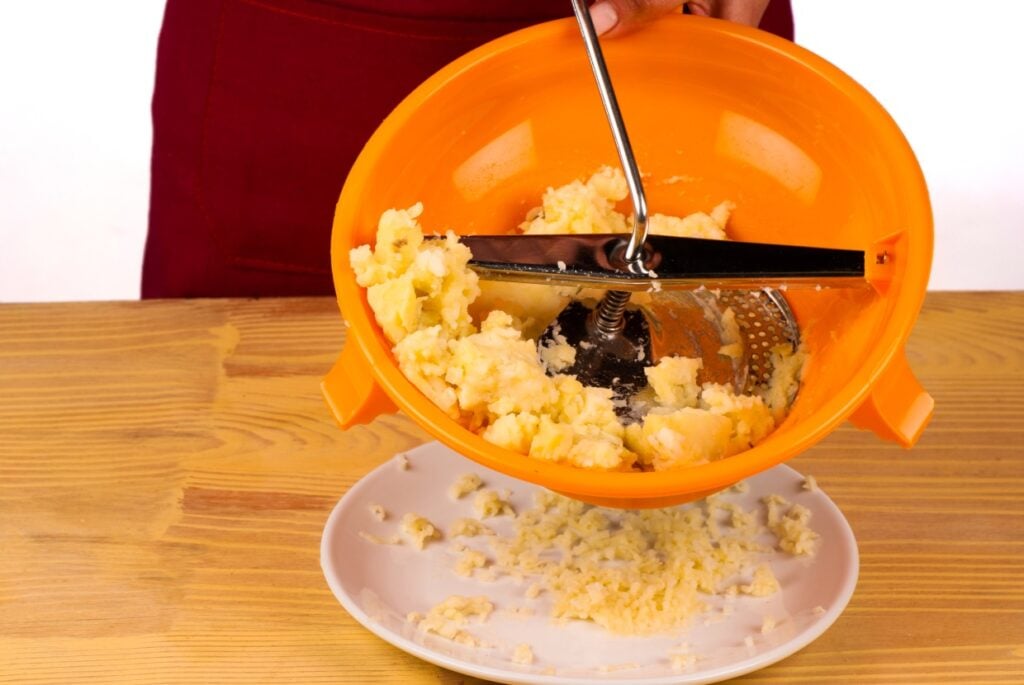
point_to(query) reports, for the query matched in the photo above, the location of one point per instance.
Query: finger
(613, 17)
(700, 8)
(747, 12)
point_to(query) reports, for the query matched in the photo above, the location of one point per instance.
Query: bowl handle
(898, 408)
(351, 391)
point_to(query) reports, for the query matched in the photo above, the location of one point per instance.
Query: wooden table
(166, 469)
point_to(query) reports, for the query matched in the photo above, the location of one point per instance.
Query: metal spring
(609, 314)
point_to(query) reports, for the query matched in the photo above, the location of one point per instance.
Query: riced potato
(789, 523)
(419, 530)
(468, 528)
(449, 618)
(523, 654)
(464, 485)
(762, 584)
(681, 658)
(489, 503)
(629, 572)
(379, 540)
(471, 347)
(636, 572)
(470, 560)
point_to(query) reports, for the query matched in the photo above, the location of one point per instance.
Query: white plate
(380, 584)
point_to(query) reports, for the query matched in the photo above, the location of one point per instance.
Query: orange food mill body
(715, 112)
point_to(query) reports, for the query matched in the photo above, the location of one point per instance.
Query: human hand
(613, 17)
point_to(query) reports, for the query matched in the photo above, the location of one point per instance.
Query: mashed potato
(493, 378)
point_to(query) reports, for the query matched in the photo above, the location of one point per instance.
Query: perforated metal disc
(765, 321)
(690, 324)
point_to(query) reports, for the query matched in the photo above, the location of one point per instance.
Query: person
(261, 106)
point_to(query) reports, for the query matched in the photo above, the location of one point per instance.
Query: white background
(76, 80)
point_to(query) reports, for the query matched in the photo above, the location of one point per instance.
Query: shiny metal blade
(669, 263)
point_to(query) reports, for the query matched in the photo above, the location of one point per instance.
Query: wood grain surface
(166, 469)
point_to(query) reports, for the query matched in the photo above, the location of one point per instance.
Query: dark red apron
(261, 106)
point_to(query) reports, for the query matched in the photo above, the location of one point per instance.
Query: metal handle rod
(634, 249)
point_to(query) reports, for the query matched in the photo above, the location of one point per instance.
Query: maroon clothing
(261, 106)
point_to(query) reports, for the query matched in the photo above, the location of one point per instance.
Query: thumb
(613, 17)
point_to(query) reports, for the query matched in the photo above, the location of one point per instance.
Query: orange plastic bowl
(727, 112)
